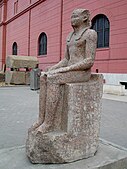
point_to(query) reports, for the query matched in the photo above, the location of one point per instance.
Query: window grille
(14, 48)
(101, 25)
(42, 44)
(15, 7)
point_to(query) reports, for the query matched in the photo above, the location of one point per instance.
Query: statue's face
(76, 19)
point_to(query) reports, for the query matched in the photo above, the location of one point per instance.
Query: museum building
(40, 28)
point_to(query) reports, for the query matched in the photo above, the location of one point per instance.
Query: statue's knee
(43, 79)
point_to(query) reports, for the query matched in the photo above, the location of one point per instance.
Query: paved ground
(108, 156)
(19, 109)
(114, 122)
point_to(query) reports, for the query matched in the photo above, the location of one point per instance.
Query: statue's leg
(53, 92)
(42, 98)
(42, 102)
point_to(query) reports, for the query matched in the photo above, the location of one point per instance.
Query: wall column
(4, 32)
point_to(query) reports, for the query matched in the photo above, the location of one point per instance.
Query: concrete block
(115, 89)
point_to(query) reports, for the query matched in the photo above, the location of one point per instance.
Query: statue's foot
(35, 125)
(44, 128)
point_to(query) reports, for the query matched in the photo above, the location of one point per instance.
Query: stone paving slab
(115, 97)
(19, 109)
(108, 157)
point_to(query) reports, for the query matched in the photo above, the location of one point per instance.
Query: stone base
(2, 77)
(17, 77)
(108, 156)
(57, 147)
(76, 132)
(27, 77)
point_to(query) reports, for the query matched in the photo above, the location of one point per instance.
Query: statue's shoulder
(87, 33)
(91, 34)
(92, 31)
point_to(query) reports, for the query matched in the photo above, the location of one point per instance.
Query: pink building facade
(23, 21)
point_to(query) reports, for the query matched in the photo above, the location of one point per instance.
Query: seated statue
(74, 68)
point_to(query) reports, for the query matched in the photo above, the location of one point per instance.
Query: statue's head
(80, 17)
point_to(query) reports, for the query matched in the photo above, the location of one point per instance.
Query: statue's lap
(68, 77)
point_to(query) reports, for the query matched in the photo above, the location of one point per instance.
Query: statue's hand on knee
(44, 74)
(60, 70)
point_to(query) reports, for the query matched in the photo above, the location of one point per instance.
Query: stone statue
(70, 101)
(75, 67)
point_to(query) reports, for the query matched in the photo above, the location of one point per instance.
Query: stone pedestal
(17, 77)
(76, 135)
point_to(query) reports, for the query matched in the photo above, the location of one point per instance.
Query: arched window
(42, 44)
(101, 25)
(14, 48)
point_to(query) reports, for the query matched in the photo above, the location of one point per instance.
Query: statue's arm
(62, 63)
(91, 42)
(89, 55)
